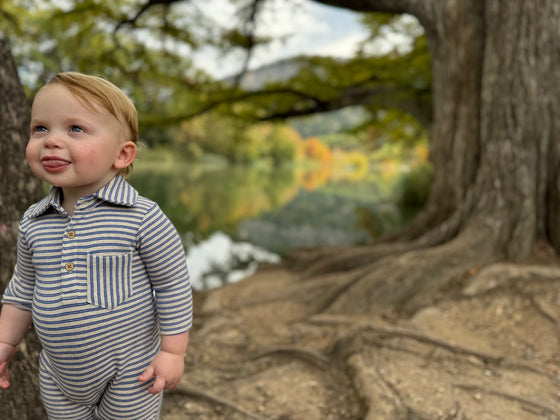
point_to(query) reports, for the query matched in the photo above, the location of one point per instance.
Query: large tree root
(365, 324)
(374, 334)
(383, 399)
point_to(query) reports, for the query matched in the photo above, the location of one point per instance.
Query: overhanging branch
(422, 9)
(174, 119)
(388, 6)
(382, 96)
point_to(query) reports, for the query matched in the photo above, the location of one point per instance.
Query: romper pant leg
(57, 405)
(126, 398)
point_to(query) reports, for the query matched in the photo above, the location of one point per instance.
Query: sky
(313, 28)
(301, 26)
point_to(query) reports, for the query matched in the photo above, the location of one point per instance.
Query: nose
(53, 140)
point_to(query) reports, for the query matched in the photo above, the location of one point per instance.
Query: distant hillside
(313, 125)
(280, 70)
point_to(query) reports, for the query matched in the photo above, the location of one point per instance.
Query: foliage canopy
(146, 48)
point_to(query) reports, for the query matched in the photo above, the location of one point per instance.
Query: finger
(4, 375)
(158, 385)
(172, 385)
(147, 374)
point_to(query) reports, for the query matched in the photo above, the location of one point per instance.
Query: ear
(126, 155)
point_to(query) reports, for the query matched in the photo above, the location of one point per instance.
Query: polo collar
(116, 191)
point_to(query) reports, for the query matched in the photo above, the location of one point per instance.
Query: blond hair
(92, 90)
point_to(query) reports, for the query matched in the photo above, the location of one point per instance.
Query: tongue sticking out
(55, 164)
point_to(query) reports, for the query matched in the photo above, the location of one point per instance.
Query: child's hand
(6, 353)
(167, 369)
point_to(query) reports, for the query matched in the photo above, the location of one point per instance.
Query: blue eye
(76, 129)
(40, 128)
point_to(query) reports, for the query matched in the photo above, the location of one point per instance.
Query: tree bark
(492, 140)
(520, 100)
(494, 147)
(18, 189)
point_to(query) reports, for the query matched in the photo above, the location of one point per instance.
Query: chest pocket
(109, 279)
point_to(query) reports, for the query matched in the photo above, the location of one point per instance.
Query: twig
(249, 27)
(143, 9)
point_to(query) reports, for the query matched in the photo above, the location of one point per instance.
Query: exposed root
(539, 405)
(380, 396)
(400, 333)
(380, 332)
(502, 275)
(204, 395)
(328, 299)
(384, 399)
(310, 356)
(386, 331)
(412, 280)
(543, 308)
(317, 261)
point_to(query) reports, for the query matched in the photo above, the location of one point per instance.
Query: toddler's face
(71, 146)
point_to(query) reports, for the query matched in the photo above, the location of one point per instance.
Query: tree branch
(228, 100)
(250, 26)
(143, 9)
(422, 9)
(388, 6)
(383, 96)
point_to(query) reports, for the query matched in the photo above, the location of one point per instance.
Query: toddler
(101, 272)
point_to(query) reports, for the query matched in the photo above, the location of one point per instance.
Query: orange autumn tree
(315, 149)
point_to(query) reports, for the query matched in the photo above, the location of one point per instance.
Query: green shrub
(416, 185)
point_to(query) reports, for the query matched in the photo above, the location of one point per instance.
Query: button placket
(70, 234)
(70, 265)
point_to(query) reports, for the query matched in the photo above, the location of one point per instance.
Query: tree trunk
(493, 144)
(495, 101)
(18, 189)
(520, 100)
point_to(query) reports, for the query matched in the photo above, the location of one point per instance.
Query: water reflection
(205, 201)
(233, 218)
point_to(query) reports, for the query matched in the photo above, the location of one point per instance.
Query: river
(232, 219)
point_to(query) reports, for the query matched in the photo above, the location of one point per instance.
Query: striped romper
(102, 286)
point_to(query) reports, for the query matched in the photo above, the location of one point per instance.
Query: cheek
(91, 156)
(31, 152)
(84, 153)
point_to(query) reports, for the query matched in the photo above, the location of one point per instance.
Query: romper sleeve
(162, 252)
(22, 284)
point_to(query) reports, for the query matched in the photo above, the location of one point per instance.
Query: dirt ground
(487, 349)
